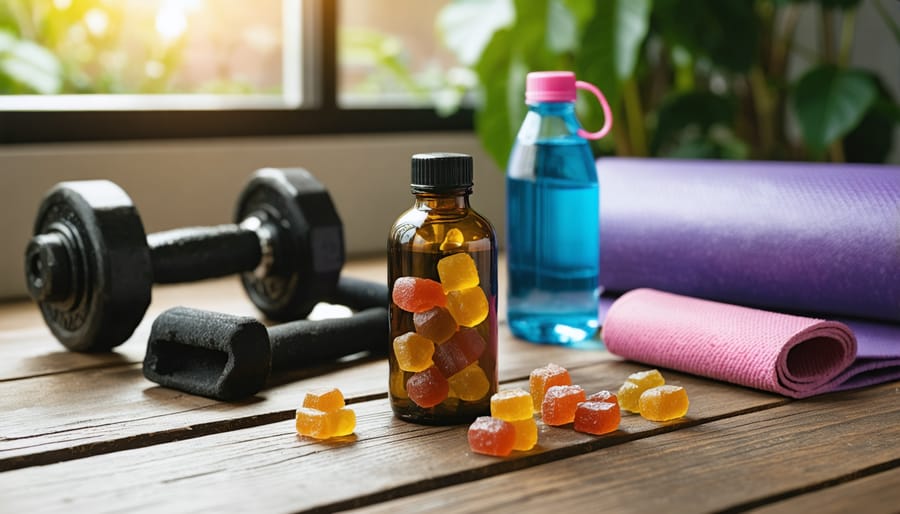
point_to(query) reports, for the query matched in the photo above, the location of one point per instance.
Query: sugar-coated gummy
(560, 403)
(512, 405)
(414, 294)
(413, 352)
(470, 384)
(597, 417)
(327, 399)
(664, 403)
(457, 272)
(469, 307)
(461, 350)
(603, 396)
(314, 423)
(436, 324)
(526, 434)
(629, 394)
(491, 436)
(544, 378)
(427, 388)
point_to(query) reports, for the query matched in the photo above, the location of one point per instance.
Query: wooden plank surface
(268, 468)
(727, 465)
(879, 492)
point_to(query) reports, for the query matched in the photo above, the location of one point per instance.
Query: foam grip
(360, 294)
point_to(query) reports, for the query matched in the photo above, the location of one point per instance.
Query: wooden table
(87, 433)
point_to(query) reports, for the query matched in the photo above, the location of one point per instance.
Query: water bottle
(553, 223)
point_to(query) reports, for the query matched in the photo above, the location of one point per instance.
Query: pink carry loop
(560, 86)
(790, 355)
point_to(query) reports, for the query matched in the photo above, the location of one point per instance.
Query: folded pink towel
(790, 355)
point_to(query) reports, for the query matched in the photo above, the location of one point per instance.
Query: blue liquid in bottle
(553, 230)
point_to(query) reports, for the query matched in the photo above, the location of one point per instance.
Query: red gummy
(560, 403)
(427, 388)
(436, 324)
(603, 396)
(464, 348)
(414, 294)
(598, 417)
(492, 436)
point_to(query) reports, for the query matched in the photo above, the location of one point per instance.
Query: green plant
(685, 78)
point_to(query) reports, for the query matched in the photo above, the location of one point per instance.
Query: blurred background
(179, 100)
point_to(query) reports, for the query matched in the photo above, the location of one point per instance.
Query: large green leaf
(724, 31)
(872, 139)
(610, 44)
(467, 26)
(493, 120)
(829, 102)
(29, 65)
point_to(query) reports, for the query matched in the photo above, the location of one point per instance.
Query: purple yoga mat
(812, 239)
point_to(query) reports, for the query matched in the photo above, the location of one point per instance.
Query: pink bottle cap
(561, 86)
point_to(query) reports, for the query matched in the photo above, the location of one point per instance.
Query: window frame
(321, 113)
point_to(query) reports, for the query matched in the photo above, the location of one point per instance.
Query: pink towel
(790, 355)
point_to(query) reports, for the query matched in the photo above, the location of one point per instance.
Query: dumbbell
(91, 267)
(229, 357)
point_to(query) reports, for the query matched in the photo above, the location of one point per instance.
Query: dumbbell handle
(198, 253)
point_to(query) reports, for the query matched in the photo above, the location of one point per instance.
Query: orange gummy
(663, 403)
(457, 271)
(544, 378)
(511, 405)
(427, 388)
(327, 399)
(597, 417)
(461, 350)
(469, 307)
(414, 294)
(491, 436)
(436, 324)
(413, 352)
(560, 403)
(603, 396)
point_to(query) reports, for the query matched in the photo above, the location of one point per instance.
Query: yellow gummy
(453, 240)
(457, 272)
(663, 403)
(512, 405)
(314, 423)
(398, 384)
(526, 434)
(326, 399)
(470, 384)
(469, 307)
(647, 379)
(343, 421)
(413, 352)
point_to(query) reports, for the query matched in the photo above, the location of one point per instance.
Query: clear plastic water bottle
(553, 242)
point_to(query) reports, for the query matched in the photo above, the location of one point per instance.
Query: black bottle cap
(441, 171)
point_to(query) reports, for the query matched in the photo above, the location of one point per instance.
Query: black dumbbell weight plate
(307, 242)
(90, 269)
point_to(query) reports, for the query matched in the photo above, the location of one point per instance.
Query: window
(75, 70)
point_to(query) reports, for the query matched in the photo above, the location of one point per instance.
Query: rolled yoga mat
(814, 239)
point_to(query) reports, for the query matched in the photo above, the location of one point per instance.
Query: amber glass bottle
(442, 270)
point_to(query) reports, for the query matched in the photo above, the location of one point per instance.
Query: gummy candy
(398, 384)
(491, 436)
(436, 324)
(469, 307)
(413, 352)
(597, 417)
(630, 393)
(663, 403)
(453, 240)
(314, 423)
(603, 396)
(324, 399)
(344, 422)
(560, 403)
(457, 272)
(427, 388)
(526, 433)
(414, 294)
(464, 348)
(512, 405)
(470, 384)
(544, 378)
